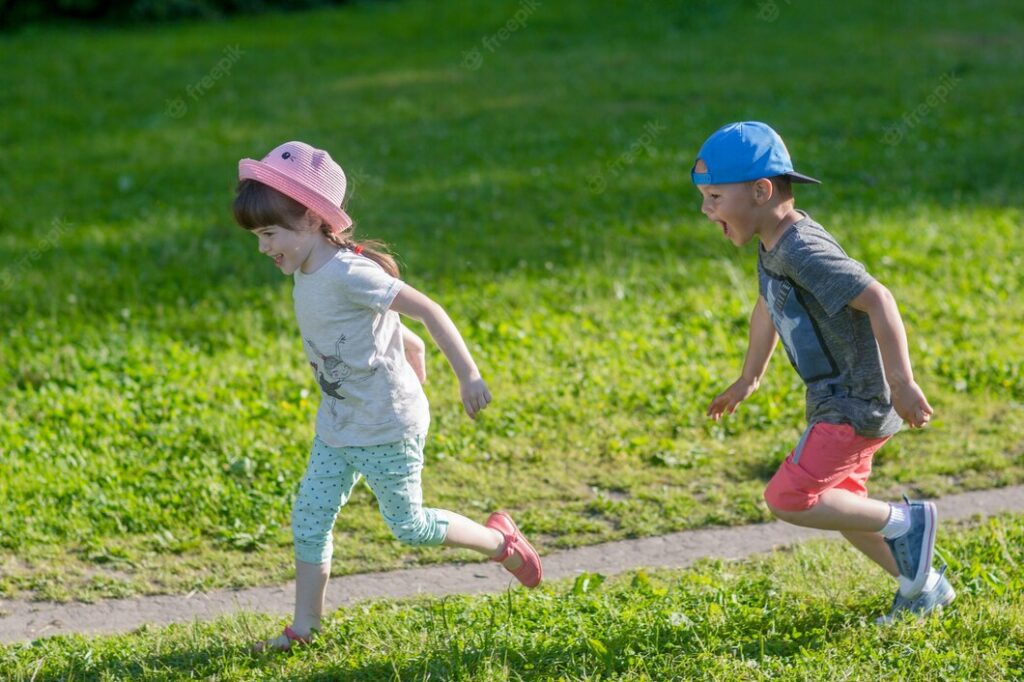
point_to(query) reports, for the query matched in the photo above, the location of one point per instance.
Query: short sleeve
(819, 266)
(365, 283)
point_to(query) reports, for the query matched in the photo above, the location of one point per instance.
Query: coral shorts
(827, 456)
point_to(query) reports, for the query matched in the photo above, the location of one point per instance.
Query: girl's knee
(417, 529)
(312, 538)
(314, 553)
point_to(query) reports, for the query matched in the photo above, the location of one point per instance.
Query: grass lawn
(806, 614)
(155, 406)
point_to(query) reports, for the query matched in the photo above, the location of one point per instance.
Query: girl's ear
(311, 221)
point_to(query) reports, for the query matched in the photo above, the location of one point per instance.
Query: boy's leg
(873, 546)
(840, 510)
(821, 484)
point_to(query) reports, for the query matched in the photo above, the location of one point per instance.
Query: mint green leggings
(393, 472)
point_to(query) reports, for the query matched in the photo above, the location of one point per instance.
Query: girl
(373, 415)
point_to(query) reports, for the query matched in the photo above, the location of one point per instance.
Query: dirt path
(23, 620)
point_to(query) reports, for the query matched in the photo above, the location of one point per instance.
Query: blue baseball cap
(744, 151)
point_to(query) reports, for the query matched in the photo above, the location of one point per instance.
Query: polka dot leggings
(393, 472)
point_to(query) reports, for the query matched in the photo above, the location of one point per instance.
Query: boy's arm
(415, 353)
(763, 339)
(907, 397)
(472, 388)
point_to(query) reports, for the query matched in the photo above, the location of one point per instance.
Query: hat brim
(800, 177)
(250, 169)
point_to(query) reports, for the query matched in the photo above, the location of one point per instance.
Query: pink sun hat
(306, 174)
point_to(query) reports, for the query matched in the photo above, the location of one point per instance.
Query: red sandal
(530, 573)
(293, 639)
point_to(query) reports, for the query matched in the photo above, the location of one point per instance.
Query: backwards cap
(739, 152)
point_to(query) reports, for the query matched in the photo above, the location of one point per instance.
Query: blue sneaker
(931, 601)
(914, 549)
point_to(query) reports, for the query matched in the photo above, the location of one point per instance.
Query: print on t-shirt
(804, 345)
(331, 372)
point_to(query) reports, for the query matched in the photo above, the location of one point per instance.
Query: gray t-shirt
(807, 280)
(369, 394)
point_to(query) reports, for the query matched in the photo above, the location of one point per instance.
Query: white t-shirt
(369, 393)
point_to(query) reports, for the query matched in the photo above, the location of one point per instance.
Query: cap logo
(286, 155)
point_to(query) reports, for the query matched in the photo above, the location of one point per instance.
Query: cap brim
(800, 177)
(250, 169)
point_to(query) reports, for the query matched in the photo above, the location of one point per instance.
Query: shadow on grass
(609, 657)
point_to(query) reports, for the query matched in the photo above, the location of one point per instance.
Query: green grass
(156, 406)
(804, 614)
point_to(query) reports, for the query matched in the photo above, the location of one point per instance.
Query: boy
(843, 334)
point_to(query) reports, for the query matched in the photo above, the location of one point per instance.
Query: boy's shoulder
(803, 235)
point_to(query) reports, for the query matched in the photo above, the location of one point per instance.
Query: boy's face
(288, 248)
(734, 207)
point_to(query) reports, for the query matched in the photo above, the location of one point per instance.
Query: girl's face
(289, 249)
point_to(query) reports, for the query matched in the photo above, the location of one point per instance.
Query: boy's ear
(763, 190)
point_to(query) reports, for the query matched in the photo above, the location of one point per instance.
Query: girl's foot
(285, 641)
(518, 556)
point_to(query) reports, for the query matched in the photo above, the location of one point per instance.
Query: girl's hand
(416, 357)
(729, 399)
(909, 401)
(475, 396)
(415, 353)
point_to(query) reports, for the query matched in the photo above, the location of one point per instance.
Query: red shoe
(530, 572)
(286, 641)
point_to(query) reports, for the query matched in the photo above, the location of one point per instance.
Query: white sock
(898, 523)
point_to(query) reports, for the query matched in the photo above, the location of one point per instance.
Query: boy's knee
(785, 502)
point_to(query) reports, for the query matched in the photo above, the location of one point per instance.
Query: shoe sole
(540, 565)
(928, 551)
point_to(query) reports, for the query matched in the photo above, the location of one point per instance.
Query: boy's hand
(475, 396)
(909, 401)
(728, 400)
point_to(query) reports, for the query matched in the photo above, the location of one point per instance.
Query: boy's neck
(776, 222)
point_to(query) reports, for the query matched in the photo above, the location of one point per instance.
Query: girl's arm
(472, 388)
(415, 352)
(887, 325)
(763, 339)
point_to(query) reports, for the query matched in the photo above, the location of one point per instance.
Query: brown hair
(257, 205)
(783, 185)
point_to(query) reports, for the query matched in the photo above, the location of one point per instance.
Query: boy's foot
(529, 571)
(927, 602)
(914, 549)
(286, 641)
